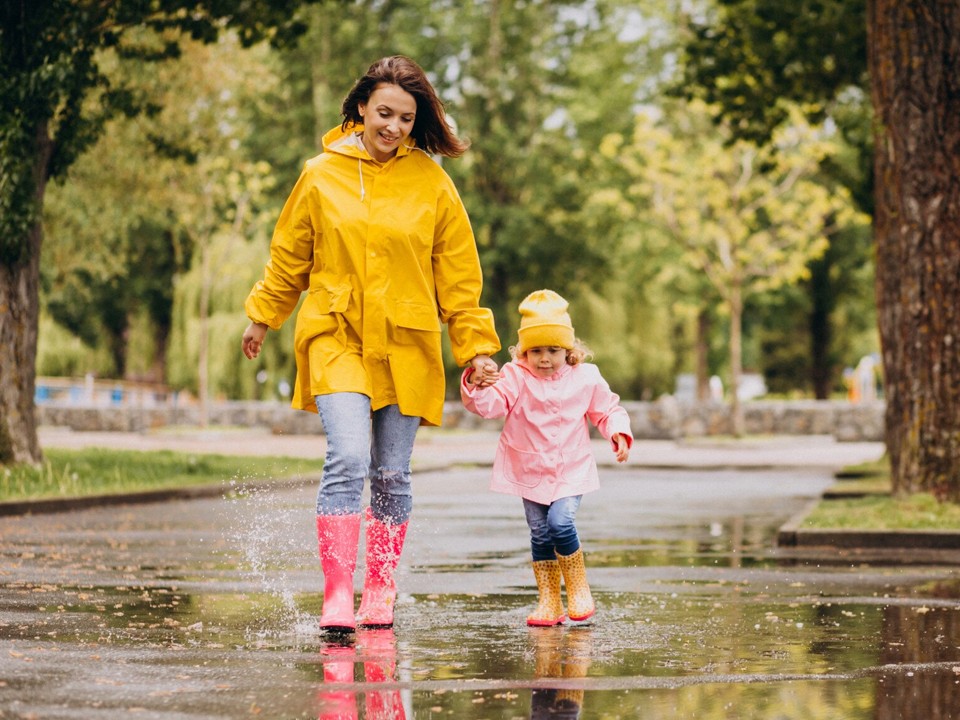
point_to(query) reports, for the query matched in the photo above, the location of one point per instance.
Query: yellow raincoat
(386, 254)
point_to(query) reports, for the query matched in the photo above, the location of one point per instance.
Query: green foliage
(100, 471)
(131, 219)
(60, 353)
(753, 59)
(56, 98)
(17, 192)
(163, 225)
(843, 278)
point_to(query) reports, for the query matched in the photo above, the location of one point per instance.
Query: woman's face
(388, 117)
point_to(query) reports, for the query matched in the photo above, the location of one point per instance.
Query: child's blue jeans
(552, 528)
(362, 445)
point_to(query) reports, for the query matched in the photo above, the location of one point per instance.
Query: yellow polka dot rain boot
(580, 604)
(549, 610)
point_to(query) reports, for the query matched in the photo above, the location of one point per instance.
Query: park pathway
(207, 608)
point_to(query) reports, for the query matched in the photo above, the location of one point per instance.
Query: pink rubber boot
(338, 537)
(384, 545)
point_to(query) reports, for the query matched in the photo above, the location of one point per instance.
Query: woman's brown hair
(430, 128)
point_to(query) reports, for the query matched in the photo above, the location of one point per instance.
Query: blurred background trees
(688, 242)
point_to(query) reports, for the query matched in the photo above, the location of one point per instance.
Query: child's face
(545, 361)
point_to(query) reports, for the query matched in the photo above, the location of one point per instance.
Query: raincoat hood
(348, 143)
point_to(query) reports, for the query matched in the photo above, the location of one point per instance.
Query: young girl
(547, 395)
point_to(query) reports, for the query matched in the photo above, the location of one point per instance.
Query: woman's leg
(391, 498)
(346, 424)
(388, 516)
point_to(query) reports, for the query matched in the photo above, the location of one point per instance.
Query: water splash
(275, 547)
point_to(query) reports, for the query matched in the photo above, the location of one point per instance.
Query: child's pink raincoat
(544, 452)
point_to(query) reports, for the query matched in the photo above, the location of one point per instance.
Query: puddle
(209, 609)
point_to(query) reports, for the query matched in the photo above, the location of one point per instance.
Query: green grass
(877, 469)
(877, 512)
(878, 509)
(99, 471)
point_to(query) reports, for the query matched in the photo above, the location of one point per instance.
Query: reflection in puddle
(917, 635)
(559, 653)
(372, 653)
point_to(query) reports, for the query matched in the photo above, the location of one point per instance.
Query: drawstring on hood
(350, 143)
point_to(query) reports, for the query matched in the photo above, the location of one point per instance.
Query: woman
(376, 234)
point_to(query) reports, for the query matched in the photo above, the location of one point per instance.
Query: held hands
(622, 450)
(253, 339)
(485, 371)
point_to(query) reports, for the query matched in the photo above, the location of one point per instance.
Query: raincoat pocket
(416, 324)
(321, 314)
(522, 467)
(417, 316)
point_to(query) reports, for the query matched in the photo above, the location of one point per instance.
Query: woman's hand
(485, 371)
(253, 339)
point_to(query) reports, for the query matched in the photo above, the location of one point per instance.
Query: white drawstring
(363, 192)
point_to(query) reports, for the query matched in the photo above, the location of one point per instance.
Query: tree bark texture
(19, 318)
(914, 58)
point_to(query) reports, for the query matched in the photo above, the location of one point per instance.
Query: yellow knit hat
(544, 322)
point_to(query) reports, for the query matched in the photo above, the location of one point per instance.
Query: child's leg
(561, 524)
(561, 521)
(546, 570)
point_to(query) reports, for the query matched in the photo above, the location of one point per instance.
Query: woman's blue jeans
(361, 445)
(552, 528)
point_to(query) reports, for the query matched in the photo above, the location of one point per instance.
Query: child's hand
(484, 377)
(485, 371)
(488, 376)
(622, 450)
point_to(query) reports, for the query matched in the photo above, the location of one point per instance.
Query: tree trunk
(914, 56)
(822, 294)
(736, 359)
(702, 355)
(203, 341)
(19, 317)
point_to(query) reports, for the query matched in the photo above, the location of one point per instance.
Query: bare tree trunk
(702, 353)
(19, 318)
(203, 372)
(736, 359)
(914, 60)
(822, 294)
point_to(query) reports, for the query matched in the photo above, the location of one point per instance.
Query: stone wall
(664, 419)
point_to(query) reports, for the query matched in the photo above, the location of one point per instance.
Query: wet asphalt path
(208, 608)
